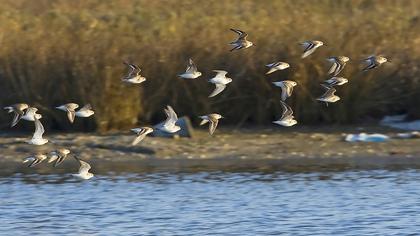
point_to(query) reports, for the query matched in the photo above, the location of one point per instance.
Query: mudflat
(293, 149)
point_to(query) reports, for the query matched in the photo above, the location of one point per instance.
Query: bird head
(345, 59)
(335, 98)
(381, 59)
(65, 151)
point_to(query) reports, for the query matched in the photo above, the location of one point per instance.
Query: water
(370, 202)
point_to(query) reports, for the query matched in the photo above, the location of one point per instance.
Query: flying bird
(213, 119)
(18, 110)
(328, 96)
(30, 114)
(191, 72)
(58, 156)
(220, 81)
(277, 66)
(241, 42)
(35, 159)
(85, 111)
(83, 170)
(335, 81)
(286, 88)
(169, 126)
(373, 62)
(338, 64)
(287, 119)
(37, 138)
(310, 47)
(133, 76)
(141, 134)
(70, 108)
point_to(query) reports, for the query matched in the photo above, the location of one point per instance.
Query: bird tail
(235, 48)
(9, 109)
(203, 122)
(270, 71)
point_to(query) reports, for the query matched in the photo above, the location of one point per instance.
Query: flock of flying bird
(26, 112)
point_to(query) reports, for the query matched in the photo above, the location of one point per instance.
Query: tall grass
(57, 51)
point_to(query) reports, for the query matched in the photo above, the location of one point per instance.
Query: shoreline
(263, 149)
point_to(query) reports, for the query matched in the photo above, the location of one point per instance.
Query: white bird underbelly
(286, 123)
(189, 76)
(38, 142)
(84, 113)
(83, 176)
(135, 80)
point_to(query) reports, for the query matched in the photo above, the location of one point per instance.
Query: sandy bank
(298, 148)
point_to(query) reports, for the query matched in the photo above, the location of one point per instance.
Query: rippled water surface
(326, 203)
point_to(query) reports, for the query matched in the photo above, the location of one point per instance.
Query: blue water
(371, 202)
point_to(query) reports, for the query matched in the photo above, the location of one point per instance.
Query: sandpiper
(70, 108)
(85, 111)
(373, 62)
(241, 42)
(338, 64)
(220, 81)
(328, 96)
(191, 72)
(18, 110)
(287, 119)
(37, 138)
(58, 156)
(286, 88)
(141, 134)
(310, 46)
(83, 170)
(133, 76)
(277, 66)
(169, 126)
(30, 114)
(335, 81)
(213, 119)
(35, 159)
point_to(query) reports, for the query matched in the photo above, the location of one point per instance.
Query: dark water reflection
(368, 202)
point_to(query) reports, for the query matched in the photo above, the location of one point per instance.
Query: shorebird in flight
(338, 64)
(213, 119)
(141, 134)
(220, 81)
(373, 62)
(85, 111)
(169, 126)
(310, 47)
(335, 81)
(241, 42)
(58, 156)
(18, 110)
(287, 119)
(277, 66)
(286, 88)
(328, 96)
(37, 138)
(35, 159)
(133, 76)
(191, 72)
(30, 114)
(70, 108)
(83, 170)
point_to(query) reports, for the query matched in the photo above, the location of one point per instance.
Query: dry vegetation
(56, 51)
